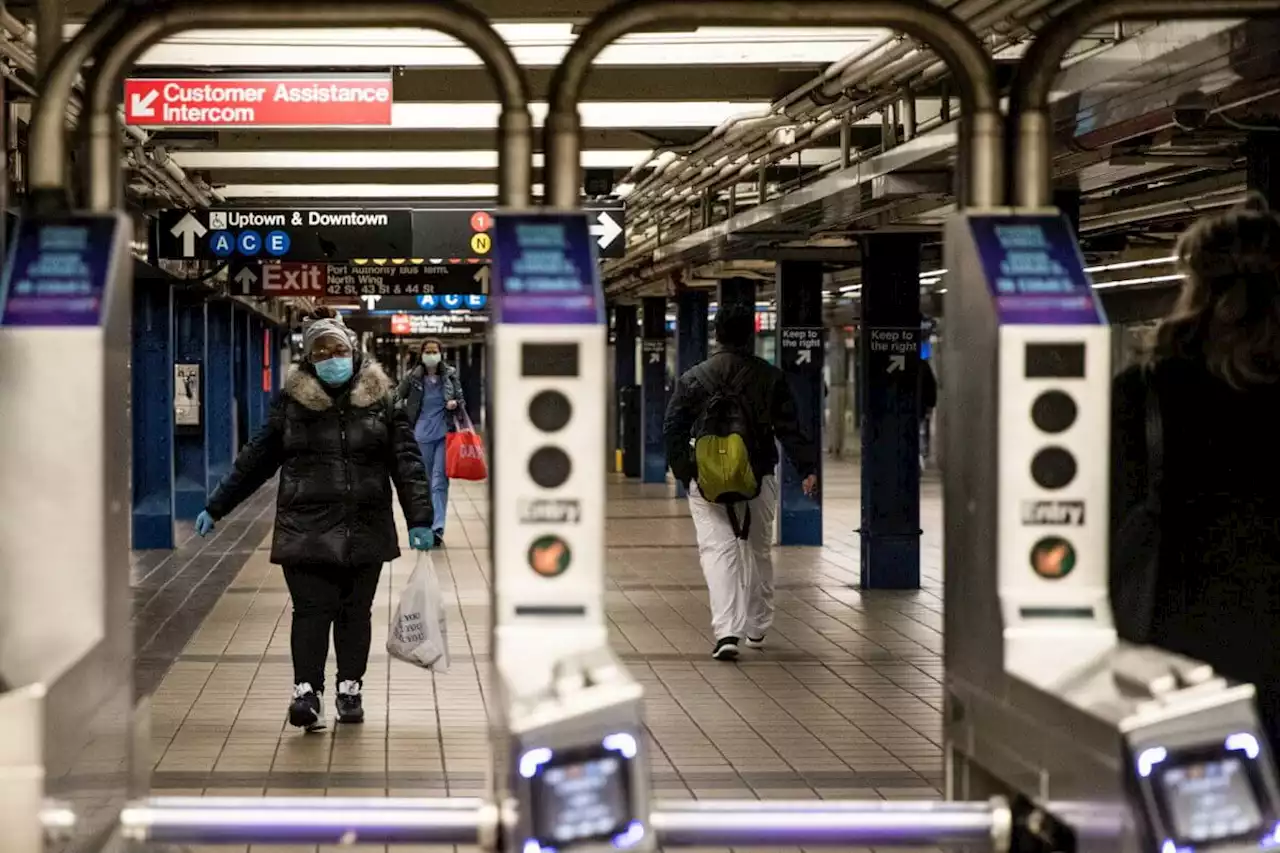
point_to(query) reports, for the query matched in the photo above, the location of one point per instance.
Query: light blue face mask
(334, 371)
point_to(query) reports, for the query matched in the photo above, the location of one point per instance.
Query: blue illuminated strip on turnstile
(57, 271)
(1035, 272)
(545, 270)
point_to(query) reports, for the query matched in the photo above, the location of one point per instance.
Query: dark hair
(435, 341)
(1228, 314)
(735, 324)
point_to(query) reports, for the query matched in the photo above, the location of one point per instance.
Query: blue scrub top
(431, 423)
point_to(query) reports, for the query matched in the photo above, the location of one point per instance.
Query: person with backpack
(1195, 527)
(722, 426)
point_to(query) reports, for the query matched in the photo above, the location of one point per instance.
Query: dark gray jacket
(338, 454)
(409, 394)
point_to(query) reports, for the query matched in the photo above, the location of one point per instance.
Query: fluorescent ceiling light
(534, 45)
(1154, 279)
(380, 159)
(398, 191)
(1128, 265)
(424, 115)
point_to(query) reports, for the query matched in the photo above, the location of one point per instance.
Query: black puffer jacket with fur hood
(338, 452)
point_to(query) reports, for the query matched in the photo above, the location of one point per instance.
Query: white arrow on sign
(804, 356)
(140, 105)
(187, 230)
(482, 276)
(370, 301)
(246, 278)
(655, 357)
(897, 363)
(606, 230)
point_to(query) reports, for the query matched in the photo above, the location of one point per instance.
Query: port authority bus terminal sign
(327, 100)
(283, 234)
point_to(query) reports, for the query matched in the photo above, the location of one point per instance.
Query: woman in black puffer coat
(340, 444)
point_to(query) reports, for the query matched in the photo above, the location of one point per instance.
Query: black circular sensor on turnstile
(549, 467)
(1053, 468)
(550, 411)
(1054, 411)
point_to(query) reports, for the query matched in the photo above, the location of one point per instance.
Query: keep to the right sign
(896, 345)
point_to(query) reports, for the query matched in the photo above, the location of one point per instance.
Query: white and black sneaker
(306, 711)
(349, 704)
(726, 649)
(755, 642)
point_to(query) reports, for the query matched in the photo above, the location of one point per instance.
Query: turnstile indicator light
(1149, 758)
(550, 411)
(1053, 468)
(550, 467)
(532, 760)
(1054, 412)
(623, 743)
(549, 556)
(1244, 742)
(1053, 558)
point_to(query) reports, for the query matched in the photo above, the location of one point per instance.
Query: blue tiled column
(190, 464)
(888, 381)
(239, 369)
(152, 403)
(653, 374)
(219, 382)
(626, 325)
(800, 356)
(691, 336)
(253, 373)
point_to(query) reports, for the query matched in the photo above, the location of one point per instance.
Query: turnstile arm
(694, 823)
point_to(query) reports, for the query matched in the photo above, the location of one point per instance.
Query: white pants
(739, 574)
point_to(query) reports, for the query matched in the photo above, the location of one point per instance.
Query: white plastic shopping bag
(418, 633)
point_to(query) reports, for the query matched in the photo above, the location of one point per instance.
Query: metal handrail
(1029, 100)
(980, 173)
(452, 17)
(328, 820)
(48, 121)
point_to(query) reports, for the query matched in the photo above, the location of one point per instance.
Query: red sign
(481, 221)
(294, 279)
(401, 324)
(315, 101)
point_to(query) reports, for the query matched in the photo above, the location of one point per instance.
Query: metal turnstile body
(1043, 700)
(65, 640)
(569, 746)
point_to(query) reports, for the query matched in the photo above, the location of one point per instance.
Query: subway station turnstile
(1094, 744)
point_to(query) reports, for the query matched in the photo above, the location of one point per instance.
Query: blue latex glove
(422, 538)
(204, 523)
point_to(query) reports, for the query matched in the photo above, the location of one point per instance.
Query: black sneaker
(439, 539)
(726, 649)
(306, 711)
(349, 703)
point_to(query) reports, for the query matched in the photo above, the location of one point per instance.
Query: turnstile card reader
(571, 768)
(65, 613)
(1202, 773)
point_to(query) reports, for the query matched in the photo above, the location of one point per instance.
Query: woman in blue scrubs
(431, 397)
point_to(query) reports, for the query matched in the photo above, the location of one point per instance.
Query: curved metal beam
(49, 155)
(1029, 102)
(979, 173)
(451, 17)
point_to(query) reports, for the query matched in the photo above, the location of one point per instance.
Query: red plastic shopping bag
(464, 455)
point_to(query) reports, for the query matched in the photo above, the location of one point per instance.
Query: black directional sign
(283, 234)
(447, 231)
(435, 235)
(257, 278)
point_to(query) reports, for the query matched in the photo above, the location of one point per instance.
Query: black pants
(324, 598)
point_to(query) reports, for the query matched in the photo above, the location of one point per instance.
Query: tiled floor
(846, 701)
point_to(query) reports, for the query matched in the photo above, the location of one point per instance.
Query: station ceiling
(652, 91)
